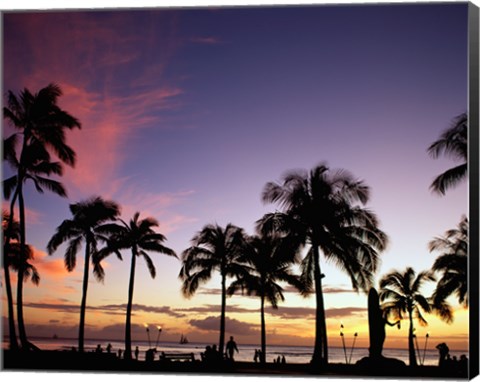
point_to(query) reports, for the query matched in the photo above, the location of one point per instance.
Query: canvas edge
(473, 117)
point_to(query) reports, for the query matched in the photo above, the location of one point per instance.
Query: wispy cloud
(207, 40)
(113, 309)
(337, 289)
(112, 76)
(345, 312)
(32, 216)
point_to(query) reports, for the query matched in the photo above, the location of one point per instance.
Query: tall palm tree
(138, 236)
(18, 260)
(214, 248)
(453, 143)
(12, 232)
(322, 209)
(40, 122)
(401, 294)
(86, 224)
(452, 263)
(36, 168)
(270, 258)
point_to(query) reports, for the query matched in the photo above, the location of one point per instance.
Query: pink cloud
(32, 216)
(87, 58)
(160, 206)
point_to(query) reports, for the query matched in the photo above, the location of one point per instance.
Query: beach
(68, 361)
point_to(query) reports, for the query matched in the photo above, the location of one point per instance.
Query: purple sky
(188, 113)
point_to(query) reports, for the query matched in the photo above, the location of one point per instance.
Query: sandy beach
(92, 362)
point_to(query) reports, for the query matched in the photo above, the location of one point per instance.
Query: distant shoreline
(106, 340)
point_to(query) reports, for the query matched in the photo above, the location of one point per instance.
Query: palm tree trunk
(8, 284)
(11, 318)
(128, 323)
(221, 341)
(86, 269)
(21, 271)
(263, 356)
(411, 346)
(320, 352)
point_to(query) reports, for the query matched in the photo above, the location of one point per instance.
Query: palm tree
(139, 236)
(14, 234)
(41, 122)
(452, 143)
(270, 258)
(214, 248)
(36, 167)
(86, 225)
(452, 263)
(323, 209)
(17, 260)
(401, 294)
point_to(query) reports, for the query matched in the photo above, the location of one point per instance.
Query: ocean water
(292, 354)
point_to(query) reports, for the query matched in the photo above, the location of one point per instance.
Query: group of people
(100, 350)
(448, 362)
(211, 353)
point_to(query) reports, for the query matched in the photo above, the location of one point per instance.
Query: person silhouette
(444, 355)
(231, 347)
(98, 349)
(136, 353)
(109, 348)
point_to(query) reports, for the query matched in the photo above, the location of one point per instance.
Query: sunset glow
(186, 115)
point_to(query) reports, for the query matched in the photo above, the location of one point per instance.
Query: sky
(186, 115)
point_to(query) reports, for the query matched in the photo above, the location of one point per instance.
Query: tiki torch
(148, 334)
(343, 342)
(418, 350)
(158, 335)
(353, 346)
(425, 347)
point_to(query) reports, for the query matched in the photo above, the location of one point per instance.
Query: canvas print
(250, 190)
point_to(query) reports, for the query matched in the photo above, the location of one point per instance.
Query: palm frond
(70, 256)
(150, 265)
(449, 179)
(51, 185)
(9, 185)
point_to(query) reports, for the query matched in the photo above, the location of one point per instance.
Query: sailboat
(183, 340)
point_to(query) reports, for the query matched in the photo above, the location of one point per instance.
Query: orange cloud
(51, 267)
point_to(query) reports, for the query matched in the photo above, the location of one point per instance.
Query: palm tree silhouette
(36, 168)
(41, 123)
(11, 231)
(139, 236)
(214, 248)
(270, 258)
(86, 225)
(401, 294)
(453, 143)
(452, 263)
(17, 260)
(322, 209)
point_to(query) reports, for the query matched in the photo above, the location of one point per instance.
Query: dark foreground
(94, 362)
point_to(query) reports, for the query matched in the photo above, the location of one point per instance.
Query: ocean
(292, 354)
